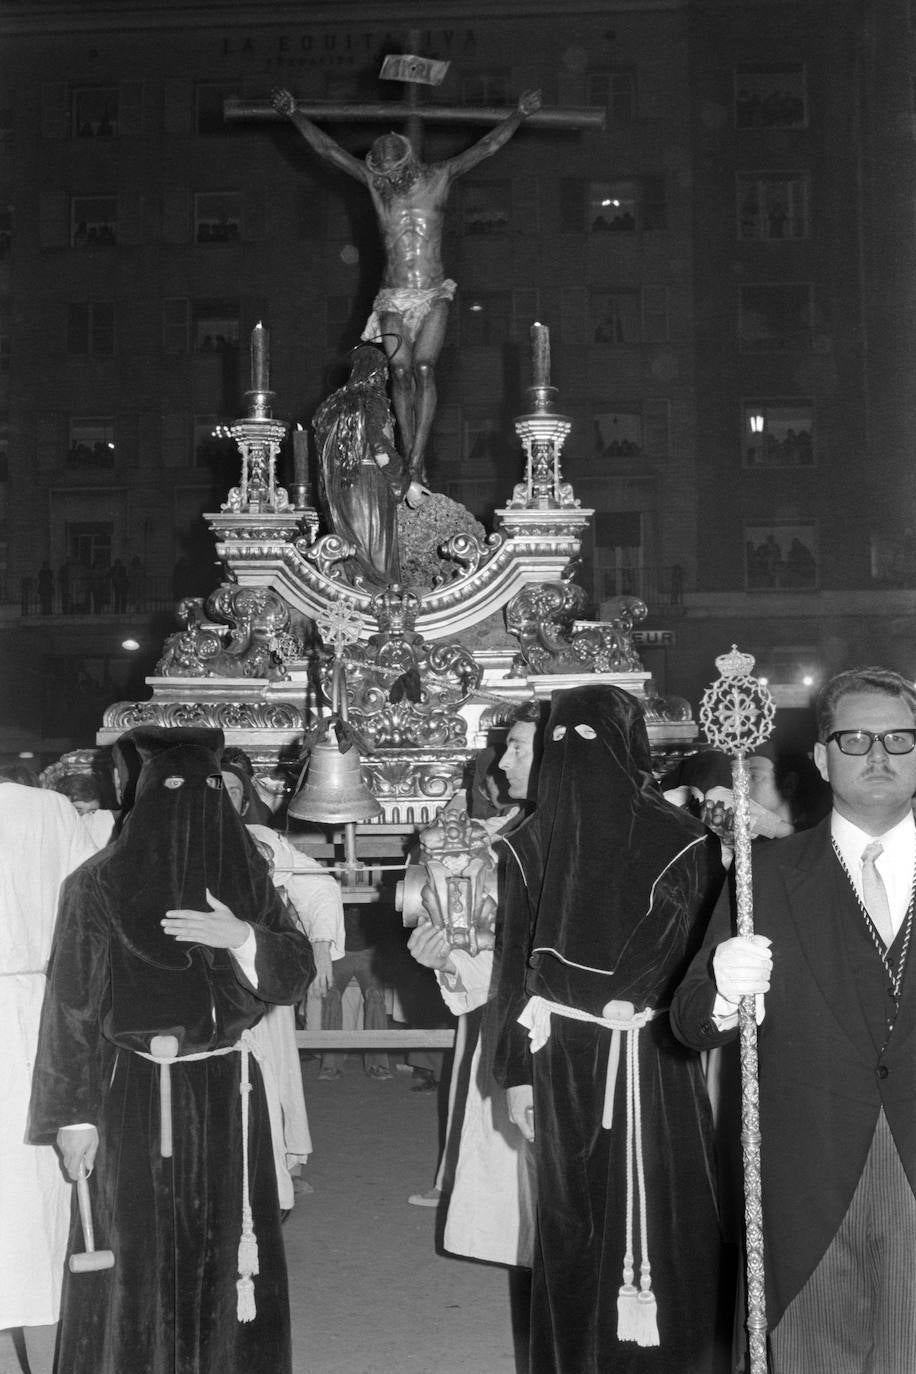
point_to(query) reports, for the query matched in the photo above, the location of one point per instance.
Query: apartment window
(89, 542)
(4, 354)
(618, 553)
(617, 434)
(90, 328)
(486, 88)
(95, 112)
(93, 221)
(217, 216)
(486, 207)
(615, 317)
(615, 89)
(6, 235)
(773, 206)
(6, 124)
(486, 317)
(770, 96)
(209, 112)
(777, 434)
(214, 326)
(613, 207)
(775, 318)
(4, 446)
(781, 556)
(91, 442)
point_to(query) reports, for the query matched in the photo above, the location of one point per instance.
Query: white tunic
(491, 1208)
(41, 840)
(318, 905)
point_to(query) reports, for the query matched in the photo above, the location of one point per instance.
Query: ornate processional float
(434, 663)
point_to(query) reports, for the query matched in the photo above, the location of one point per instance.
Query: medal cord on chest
(895, 975)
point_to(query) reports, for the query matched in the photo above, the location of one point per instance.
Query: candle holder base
(541, 399)
(259, 404)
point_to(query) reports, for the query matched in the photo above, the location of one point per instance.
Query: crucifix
(410, 312)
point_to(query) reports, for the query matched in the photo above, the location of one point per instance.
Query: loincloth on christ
(412, 303)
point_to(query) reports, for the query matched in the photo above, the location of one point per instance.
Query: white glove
(742, 967)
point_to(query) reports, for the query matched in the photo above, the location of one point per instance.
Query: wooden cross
(415, 115)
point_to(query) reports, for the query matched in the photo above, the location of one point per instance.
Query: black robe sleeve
(70, 1060)
(692, 1004)
(512, 1063)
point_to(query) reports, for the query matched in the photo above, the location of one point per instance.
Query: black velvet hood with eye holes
(181, 838)
(597, 845)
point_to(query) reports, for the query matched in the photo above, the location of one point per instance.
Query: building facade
(726, 269)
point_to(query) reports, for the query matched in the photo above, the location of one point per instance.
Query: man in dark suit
(833, 915)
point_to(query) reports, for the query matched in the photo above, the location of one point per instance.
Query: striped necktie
(875, 893)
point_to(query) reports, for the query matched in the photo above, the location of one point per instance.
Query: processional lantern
(736, 713)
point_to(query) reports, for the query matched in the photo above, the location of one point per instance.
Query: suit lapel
(815, 887)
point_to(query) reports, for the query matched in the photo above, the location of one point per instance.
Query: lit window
(778, 434)
(612, 206)
(485, 318)
(91, 442)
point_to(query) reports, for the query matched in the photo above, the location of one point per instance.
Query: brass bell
(333, 789)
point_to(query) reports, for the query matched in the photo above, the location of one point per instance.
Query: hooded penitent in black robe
(169, 1305)
(606, 902)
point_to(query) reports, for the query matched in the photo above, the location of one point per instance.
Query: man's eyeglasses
(861, 741)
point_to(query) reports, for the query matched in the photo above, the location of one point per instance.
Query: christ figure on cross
(410, 312)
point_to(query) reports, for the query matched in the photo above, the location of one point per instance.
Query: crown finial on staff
(737, 711)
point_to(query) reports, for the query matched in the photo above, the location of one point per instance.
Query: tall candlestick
(540, 354)
(260, 358)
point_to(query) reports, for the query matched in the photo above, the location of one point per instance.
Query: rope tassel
(248, 1264)
(637, 1310)
(637, 1313)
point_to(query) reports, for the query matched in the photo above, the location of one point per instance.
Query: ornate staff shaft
(737, 716)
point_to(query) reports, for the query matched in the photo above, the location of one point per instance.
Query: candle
(540, 354)
(260, 358)
(300, 457)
